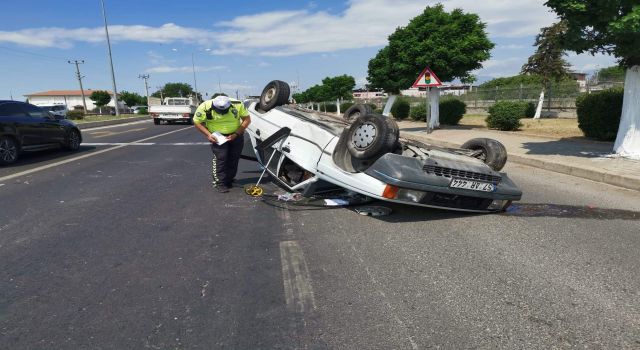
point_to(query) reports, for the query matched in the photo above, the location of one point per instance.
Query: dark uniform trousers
(225, 161)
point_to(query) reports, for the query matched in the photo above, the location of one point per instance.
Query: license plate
(472, 185)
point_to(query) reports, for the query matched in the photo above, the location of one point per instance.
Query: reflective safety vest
(226, 123)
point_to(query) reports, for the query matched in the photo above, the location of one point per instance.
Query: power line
(32, 54)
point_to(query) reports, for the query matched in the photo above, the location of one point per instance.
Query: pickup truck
(174, 109)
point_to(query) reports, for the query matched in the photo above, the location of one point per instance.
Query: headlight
(410, 195)
(499, 204)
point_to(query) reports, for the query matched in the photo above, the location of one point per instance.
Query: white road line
(52, 165)
(116, 125)
(298, 292)
(145, 143)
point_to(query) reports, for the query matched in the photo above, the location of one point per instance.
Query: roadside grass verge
(546, 127)
(102, 118)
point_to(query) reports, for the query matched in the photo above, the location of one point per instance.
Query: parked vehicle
(25, 127)
(174, 109)
(309, 152)
(59, 111)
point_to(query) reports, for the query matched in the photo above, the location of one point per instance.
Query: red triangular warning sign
(426, 79)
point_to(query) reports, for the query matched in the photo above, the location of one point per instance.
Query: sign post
(427, 79)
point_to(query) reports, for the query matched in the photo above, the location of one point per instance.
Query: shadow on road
(569, 147)
(28, 158)
(569, 211)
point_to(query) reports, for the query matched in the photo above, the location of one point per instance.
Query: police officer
(229, 118)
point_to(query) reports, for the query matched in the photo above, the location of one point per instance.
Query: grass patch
(546, 127)
(102, 118)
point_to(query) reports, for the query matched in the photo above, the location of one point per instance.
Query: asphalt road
(129, 247)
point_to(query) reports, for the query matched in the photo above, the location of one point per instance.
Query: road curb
(585, 173)
(111, 122)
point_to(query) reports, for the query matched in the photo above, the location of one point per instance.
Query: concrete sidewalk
(587, 159)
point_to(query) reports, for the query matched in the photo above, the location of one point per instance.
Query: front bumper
(417, 186)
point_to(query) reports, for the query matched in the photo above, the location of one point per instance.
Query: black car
(25, 127)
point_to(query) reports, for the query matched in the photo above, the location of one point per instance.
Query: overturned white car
(312, 153)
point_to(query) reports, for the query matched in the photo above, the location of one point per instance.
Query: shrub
(419, 112)
(142, 110)
(400, 109)
(330, 107)
(530, 112)
(345, 105)
(505, 115)
(599, 114)
(451, 111)
(75, 114)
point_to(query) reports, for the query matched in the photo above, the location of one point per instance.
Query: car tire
(275, 94)
(9, 150)
(72, 143)
(491, 152)
(371, 136)
(353, 112)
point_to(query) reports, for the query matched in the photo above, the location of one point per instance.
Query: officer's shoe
(222, 188)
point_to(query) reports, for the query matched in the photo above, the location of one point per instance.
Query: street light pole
(84, 103)
(195, 83)
(146, 85)
(113, 75)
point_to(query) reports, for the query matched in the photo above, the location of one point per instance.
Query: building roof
(65, 93)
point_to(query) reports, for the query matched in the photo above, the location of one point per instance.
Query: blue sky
(243, 43)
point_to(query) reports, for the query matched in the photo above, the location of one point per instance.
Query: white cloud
(586, 62)
(183, 69)
(365, 23)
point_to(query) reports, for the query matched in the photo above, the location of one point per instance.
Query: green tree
(615, 73)
(611, 27)
(452, 44)
(301, 97)
(132, 99)
(548, 62)
(174, 90)
(100, 98)
(317, 93)
(340, 87)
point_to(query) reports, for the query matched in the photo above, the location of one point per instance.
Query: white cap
(221, 102)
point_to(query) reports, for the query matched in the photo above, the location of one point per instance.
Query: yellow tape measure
(254, 191)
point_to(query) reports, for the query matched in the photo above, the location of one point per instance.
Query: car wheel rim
(74, 140)
(8, 151)
(269, 95)
(364, 135)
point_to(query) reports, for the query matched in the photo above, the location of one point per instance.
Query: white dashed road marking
(298, 292)
(52, 165)
(145, 143)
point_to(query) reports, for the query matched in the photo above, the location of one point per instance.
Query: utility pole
(77, 63)
(195, 83)
(219, 85)
(113, 75)
(146, 85)
(160, 91)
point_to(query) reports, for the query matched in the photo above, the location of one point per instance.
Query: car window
(12, 110)
(36, 112)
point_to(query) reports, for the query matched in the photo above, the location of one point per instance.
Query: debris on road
(373, 211)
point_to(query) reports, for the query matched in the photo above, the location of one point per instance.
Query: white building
(362, 94)
(71, 98)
